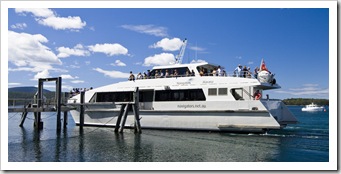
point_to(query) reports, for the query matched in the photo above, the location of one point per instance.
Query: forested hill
(305, 101)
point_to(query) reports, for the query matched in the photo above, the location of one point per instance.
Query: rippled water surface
(307, 141)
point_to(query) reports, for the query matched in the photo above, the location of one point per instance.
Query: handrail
(207, 74)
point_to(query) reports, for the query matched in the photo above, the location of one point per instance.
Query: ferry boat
(313, 107)
(189, 99)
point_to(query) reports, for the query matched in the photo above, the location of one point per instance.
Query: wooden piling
(59, 98)
(137, 125)
(125, 115)
(119, 117)
(81, 113)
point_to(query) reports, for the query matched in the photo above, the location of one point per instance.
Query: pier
(39, 105)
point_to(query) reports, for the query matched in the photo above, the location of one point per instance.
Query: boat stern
(280, 112)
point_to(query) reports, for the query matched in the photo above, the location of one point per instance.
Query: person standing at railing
(238, 71)
(244, 71)
(219, 71)
(248, 72)
(256, 72)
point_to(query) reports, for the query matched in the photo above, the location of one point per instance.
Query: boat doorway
(146, 98)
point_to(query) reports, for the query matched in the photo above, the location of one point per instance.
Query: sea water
(307, 141)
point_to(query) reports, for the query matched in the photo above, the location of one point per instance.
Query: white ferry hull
(205, 121)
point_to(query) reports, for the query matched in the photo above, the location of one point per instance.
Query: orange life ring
(258, 96)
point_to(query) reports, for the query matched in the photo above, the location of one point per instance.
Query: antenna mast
(180, 56)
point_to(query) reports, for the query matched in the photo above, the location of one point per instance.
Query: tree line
(305, 101)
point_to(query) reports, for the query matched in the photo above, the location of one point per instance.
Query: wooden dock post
(24, 115)
(38, 124)
(81, 112)
(125, 115)
(59, 98)
(137, 125)
(119, 117)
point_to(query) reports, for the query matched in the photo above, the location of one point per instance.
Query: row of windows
(213, 91)
(164, 95)
(180, 95)
(147, 96)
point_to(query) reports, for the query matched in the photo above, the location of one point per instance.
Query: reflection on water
(94, 144)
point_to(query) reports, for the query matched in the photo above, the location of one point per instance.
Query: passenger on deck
(161, 74)
(219, 71)
(176, 73)
(139, 76)
(156, 74)
(131, 76)
(187, 73)
(248, 72)
(192, 73)
(145, 76)
(148, 74)
(214, 72)
(166, 74)
(201, 72)
(256, 72)
(238, 71)
(244, 71)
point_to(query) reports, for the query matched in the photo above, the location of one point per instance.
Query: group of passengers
(245, 72)
(159, 74)
(76, 91)
(217, 71)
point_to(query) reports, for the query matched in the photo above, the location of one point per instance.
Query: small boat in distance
(313, 107)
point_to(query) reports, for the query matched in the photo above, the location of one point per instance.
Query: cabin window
(114, 96)
(180, 95)
(146, 96)
(237, 93)
(212, 91)
(222, 91)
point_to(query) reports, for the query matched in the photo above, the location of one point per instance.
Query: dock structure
(125, 107)
(39, 105)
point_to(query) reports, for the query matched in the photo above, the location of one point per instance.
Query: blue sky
(95, 47)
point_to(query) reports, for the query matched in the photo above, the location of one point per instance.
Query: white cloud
(148, 29)
(77, 81)
(14, 84)
(87, 62)
(195, 48)
(68, 76)
(43, 74)
(198, 61)
(28, 50)
(48, 18)
(62, 23)
(20, 26)
(118, 63)
(112, 74)
(168, 44)
(78, 50)
(159, 59)
(38, 12)
(109, 49)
